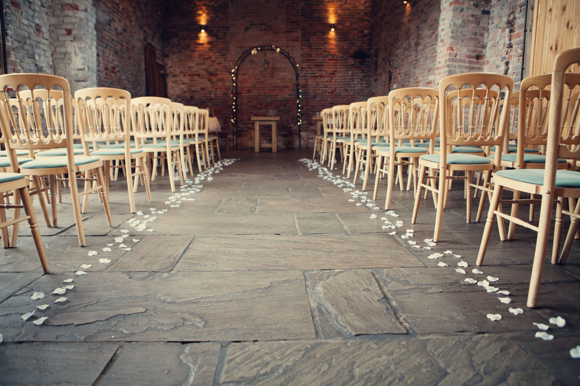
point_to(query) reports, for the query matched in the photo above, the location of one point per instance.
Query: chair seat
(463, 149)
(80, 145)
(159, 144)
(341, 138)
(115, 151)
(7, 177)
(528, 158)
(385, 150)
(422, 144)
(116, 145)
(514, 149)
(58, 152)
(4, 153)
(564, 178)
(5, 161)
(58, 162)
(458, 159)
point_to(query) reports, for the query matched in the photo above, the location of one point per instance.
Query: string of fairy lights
(234, 74)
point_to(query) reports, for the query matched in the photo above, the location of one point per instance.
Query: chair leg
(468, 195)
(557, 229)
(41, 200)
(53, 202)
(145, 176)
(367, 171)
(5, 239)
(74, 192)
(442, 199)
(571, 234)
(105, 198)
(541, 242)
(514, 213)
(494, 203)
(15, 215)
(29, 210)
(357, 165)
(378, 176)
(486, 184)
(420, 180)
(129, 178)
(390, 181)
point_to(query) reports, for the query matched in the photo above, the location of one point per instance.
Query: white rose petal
(79, 273)
(104, 261)
(476, 271)
(542, 326)
(69, 287)
(37, 295)
(118, 239)
(492, 279)
(86, 266)
(59, 291)
(470, 280)
(558, 321)
(136, 240)
(412, 242)
(491, 289)
(544, 335)
(124, 230)
(505, 300)
(462, 264)
(574, 352)
(60, 300)
(110, 245)
(506, 293)
(494, 317)
(448, 252)
(68, 281)
(442, 264)
(516, 311)
(27, 315)
(93, 253)
(39, 321)
(106, 249)
(483, 283)
(43, 307)
(460, 270)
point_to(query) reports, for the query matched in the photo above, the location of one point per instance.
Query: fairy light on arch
(234, 74)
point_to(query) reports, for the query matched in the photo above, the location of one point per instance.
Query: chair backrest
(327, 121)
(474, 111)
(177, 121)
(103, 115)
(203, 125)
(413, 115)
(151, 119)
(564, 115)
(357, 121)
(340, 125)
(191, 122)
(377, 121)
(36, 113)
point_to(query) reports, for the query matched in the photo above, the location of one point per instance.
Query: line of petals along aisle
(477, 277)
(141, 222)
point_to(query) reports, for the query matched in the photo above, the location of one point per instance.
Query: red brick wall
(199, 67)
(123, 28)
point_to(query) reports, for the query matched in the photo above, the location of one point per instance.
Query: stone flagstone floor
(275, 272)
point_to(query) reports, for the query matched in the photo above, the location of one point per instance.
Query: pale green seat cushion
(4, 153)
(115, 151)
(463, 149)
(422, 144)
(564, 178)
(58, 152)
(80, 145)
(58, 162)
(338, 138)
(401, 149)
(528, 158)
(5, 161)
(7, 177)
(116, 145)
(159, 144)
(376, 146)
(458, 159)
(514, 149)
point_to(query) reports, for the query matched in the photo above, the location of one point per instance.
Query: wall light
(203, 29)
(332, 27)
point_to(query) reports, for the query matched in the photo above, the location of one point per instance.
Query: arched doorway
(235, 84)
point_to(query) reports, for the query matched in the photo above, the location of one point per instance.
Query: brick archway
(235, 101)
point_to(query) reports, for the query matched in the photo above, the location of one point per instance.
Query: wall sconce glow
(202, 30)
(333, 27)
(405, 2)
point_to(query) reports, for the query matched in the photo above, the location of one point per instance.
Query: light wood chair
(470, 118)
(105, 119)
(340, 132)
(37, 128)
(212, 139)
(551, 183)
(152, 122)
(413, 117)
(327, 124)
(18, 184)
(178, 125)
(368, 119)
(195, 141)
(203, 128)
(357, 123)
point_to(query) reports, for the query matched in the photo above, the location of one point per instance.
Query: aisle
(271, 273)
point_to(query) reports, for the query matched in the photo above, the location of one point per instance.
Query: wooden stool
(272, 121)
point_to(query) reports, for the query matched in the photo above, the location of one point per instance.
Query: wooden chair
(212, 139)
(105, 119)
(18, 184)
(413, 117)
(368, 119)
(468, 119)
(178, 124)
(195, 141)
(327, 124)
(203, 128)
(340, 131)
(151, 118)
(551, 183)
(36, 129)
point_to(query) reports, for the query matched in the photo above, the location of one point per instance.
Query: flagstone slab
(153, 253)
(309, 205)
(266, 253)
(10, 283)
(164, 364)
(54, 363)
(348, 303)
(311, 192)
(440, 301)
(239, 205)
(201, 306)
(452, 360)
(183, 223)
(319, 223)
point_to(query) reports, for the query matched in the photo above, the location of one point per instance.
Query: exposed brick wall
(123, 29)
(505, 40)
(74, 42)
(28, 46)
(199, 67)
(404, 44)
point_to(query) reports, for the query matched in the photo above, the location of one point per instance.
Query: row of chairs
(51, 137)
(493, 139)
